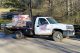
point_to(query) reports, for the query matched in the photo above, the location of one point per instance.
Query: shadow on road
(44, 37)
(76, 37)
(6, 36)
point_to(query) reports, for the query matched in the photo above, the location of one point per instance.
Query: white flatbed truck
(44, 26)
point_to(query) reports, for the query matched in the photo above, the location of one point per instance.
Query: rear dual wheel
(19, 35)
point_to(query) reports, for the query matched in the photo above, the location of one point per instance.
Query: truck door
(41, 27)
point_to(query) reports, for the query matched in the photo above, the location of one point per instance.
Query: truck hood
(62, 26)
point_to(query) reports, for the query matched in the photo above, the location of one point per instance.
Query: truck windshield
(52, 21)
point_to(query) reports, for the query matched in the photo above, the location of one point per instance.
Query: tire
(57, 36)
(19, 35)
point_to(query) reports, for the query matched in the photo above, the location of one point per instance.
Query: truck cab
(49, 26)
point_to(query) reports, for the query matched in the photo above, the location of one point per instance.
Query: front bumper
(68, 33)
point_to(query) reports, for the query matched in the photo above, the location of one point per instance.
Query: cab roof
(43, 17)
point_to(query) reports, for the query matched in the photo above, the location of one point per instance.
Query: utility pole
(50, 7)
(30, 8)
(68, 8)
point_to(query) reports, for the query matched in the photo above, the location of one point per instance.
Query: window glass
(52, 21)
(42, 21)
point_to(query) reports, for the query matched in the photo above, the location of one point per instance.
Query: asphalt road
(37, 45)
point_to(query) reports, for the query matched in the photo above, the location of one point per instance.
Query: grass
(5, 9)
(4, 20)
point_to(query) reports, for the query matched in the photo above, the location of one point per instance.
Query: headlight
(70, 27)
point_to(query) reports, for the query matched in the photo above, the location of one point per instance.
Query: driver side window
(42, 21)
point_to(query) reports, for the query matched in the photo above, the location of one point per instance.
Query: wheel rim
(18, 36)
(58, 36)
